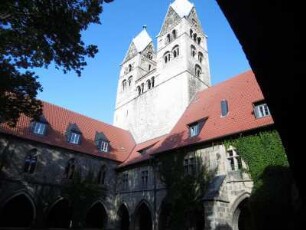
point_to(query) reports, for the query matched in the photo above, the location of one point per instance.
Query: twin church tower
(155, 87)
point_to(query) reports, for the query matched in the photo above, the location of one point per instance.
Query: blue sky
(94, 93)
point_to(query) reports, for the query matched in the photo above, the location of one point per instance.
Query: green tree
(34, 34)
(185, 191)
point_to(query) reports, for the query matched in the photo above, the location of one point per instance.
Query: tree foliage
(185, 192)
(34, 34)
(82, 193)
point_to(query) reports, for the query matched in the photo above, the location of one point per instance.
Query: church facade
(165, 106)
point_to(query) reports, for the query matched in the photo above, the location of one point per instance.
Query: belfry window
(152, 82)
(175, 51)
(149, 84)
(138, 90)
(174, 34)
(130, 80)
(200, 57)
(193, 50)
(198, 71)
(199, 40)
(195, 37)
(30, 162)
(167, 57)
(191, 33)
(130, 68)
(168, 38)
(123, 84)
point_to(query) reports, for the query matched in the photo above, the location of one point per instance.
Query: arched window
(193, 50)
(200, 57)
(191, 33)
(152, 82)
(149, 67)
(70, 169)
(149, 84)
(101, 175)
(168, 38)
(123, 84)
(130, 67)
(175, 51)
(138, 90)
(167, 56)
(195, 37)
(130, 80)
(199, 40)
(142, 87)
(30, 161)
(149, 55)
(198, 71)
(174, 34)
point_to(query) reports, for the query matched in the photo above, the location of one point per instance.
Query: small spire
(144, 26)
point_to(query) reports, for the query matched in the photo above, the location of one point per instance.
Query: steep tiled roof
(121, 141)
(136, 157)
(240, 92)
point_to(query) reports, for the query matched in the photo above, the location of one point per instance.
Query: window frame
(261, 109)
(39, 128)
(234, 159)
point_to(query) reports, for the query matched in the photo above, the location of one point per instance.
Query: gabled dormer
(73, 134)
(102, 142)
(39, 127)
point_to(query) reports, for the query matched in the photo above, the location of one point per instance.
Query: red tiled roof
(136, 157)
(240, 92)
(121, 141)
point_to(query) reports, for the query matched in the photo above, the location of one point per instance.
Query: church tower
(155, 88)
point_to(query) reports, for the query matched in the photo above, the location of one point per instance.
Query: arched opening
(241, 217)
(19, 211)
(59, 215)
(96, 216)
(143, 218)
(124, 221)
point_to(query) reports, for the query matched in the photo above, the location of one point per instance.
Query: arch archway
(59, 215)
(124, 220)
(96, 216)
(143, 217)
(18, 211)
(241, 214)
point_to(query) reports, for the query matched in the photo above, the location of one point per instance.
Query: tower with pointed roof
(154, 88)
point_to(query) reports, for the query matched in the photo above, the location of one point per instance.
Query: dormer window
(196, 127)
(73, 134)
(261, 109)
(102, 142)
(40, 127)
(74, 138)
(224, 108)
